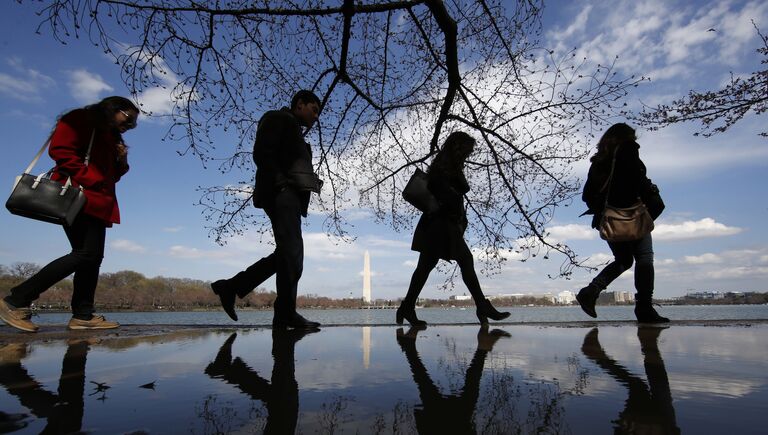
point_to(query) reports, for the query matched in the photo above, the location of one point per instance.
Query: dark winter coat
(629, 183)
(279, 145)
(441, 233)
(69, 145)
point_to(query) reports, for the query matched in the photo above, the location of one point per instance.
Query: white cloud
(703, 259)
(127, 246)
(359, 215)
(738, 272)
(410, 263)
(387, 243)
(156, 101)
(186, 252)
(27, 84)
(688, 230)
(572, 232)
(320, 246)
(172, 229)
(86, 87)
(598, 259)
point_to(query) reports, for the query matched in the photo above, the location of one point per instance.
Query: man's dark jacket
(279, 145)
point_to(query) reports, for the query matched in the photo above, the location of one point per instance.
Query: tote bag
(41, 198)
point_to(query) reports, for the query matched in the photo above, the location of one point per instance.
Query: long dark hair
(455, 150)
(103, 112)
(615, 135)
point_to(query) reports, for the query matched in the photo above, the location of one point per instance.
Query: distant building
(706, 295)
(619, 297)
(463, 297)
(566, 297)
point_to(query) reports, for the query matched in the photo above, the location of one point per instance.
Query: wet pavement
(611, 377)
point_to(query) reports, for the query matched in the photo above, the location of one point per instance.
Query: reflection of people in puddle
(64, 411)
(447, 413)
(281, 395)
(648, 408)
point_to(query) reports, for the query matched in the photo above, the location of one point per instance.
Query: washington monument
(367, 278)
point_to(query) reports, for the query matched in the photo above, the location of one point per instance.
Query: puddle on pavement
(445, 379)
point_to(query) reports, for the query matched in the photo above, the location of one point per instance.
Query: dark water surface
(431, 315)
(444, 379)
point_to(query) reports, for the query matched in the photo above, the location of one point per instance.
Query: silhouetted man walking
(285, 180)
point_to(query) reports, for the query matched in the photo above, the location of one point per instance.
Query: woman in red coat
(99, 126)
(440, 235)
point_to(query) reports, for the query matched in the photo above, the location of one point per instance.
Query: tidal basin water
(579, 379)
(432, 315)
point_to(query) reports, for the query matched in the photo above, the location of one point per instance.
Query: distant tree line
(131, 291)
(746, 298)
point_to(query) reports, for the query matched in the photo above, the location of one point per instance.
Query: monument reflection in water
(446, 379)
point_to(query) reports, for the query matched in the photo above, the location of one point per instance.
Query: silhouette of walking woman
(63, 410)
(440, 234)
(618, 172)
(447, 413)
(648, 408)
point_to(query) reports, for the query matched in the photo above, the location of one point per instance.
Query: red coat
(69, 145)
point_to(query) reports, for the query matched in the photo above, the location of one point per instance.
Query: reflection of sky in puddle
(372, 379)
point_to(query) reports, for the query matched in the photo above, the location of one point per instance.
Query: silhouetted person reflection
(648, 409)
(281, 394)
(447, 413)
(64, 411)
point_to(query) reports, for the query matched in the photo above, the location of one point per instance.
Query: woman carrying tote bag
(621, 187)
(105, 121)
(440, 234)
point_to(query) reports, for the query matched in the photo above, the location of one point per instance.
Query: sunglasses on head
(130, 122)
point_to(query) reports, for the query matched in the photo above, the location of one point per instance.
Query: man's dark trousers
(288, 259)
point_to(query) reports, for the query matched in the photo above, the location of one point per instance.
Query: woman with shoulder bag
(441, 234)
(99, 126)
(617, 177)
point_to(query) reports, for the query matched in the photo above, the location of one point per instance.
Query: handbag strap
(607, 184)
(48, 142)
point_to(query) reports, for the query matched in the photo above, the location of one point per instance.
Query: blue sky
(711, 237)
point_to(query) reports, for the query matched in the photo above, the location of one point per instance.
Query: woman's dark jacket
(279, 145)
(629, 182)
(69, 145)
(441, 233)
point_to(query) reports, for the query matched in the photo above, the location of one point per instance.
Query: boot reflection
(281, 393)
(447, 413)
(648, 408)
(62, 410)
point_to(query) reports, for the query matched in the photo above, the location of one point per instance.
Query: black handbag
(417, 193)
(41, 198)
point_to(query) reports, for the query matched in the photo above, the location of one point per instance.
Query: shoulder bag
(623, 224)
(41, 198)
(417, 193)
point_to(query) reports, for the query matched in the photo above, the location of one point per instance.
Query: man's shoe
(12, 353)
(17, 317)
(226, 297)
(96, 322)
(294, 320)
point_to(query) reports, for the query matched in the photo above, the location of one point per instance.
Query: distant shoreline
(384, 307)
